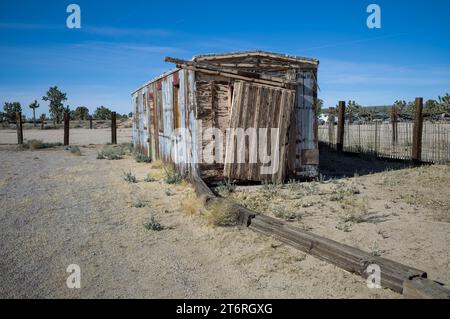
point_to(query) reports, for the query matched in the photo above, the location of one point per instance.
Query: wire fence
(391, 140)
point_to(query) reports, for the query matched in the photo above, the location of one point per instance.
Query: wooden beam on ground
(423, 288)
(201, 189)
(351, 259)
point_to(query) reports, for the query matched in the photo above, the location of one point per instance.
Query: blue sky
(122, 44)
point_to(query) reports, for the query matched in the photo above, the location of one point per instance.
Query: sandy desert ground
(58, 209)
(78, 136)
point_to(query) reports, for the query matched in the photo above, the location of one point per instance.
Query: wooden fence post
(19, 127)
(331, 139)
(417, 133)
(394, 125)
(376, 139)
(113, 128)
(340, 129)
(66, 128)
(90, 122)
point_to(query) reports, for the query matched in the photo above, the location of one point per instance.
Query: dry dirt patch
(400, 213)
(57, 209)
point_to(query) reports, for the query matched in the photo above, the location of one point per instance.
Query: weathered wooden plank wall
(205, 101)
(258, 106)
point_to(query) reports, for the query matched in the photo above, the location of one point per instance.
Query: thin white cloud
(29, 26)
(110, 31)
(121, 32)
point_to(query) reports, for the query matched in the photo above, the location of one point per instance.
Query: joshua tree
(34, 106)
(56, 107)
(444, 102)
(10, 109)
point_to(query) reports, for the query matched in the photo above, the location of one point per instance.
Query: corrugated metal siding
(167, 143)
(305, 121)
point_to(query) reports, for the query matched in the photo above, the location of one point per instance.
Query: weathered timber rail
(409, 281)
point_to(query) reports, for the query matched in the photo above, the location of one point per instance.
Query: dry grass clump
(158, 164)
(355, 210)
(220, 212)
(37, 145)
(283, 213)
(191, 205)
(172, 176)
(150, 178)
(225, 188)
(341, 192)
(111, 152)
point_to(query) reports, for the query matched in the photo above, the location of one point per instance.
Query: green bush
(129, 177)
(172, 176)
(153, 224)
(111, 153)
(149, 179)
(75, 150)
(141, 158)
(225, 188)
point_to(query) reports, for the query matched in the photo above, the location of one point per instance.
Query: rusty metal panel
(310, 157)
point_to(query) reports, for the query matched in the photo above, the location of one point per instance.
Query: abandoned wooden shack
(273, 94)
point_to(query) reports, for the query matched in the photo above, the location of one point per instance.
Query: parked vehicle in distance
(324, 118)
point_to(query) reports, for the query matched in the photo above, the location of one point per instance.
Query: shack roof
(240, 54)
(255, 53)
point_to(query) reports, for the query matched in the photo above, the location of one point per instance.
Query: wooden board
(423, 288)
(254, 107)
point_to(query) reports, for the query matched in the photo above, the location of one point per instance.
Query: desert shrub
(172, 176)
(129, 177)
(355, 210)
(302, 188)
(191, 205)
(138, 204)
(168, 192)
(153, 224)
(141, 158)
(225, 188)
(285, 214)
(149, 178)
(75, 150)
(38, 144)
(35, 144)
(339, 194)
(220, 212)
(111, 153)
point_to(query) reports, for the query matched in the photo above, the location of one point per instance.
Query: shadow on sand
(339, 165)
